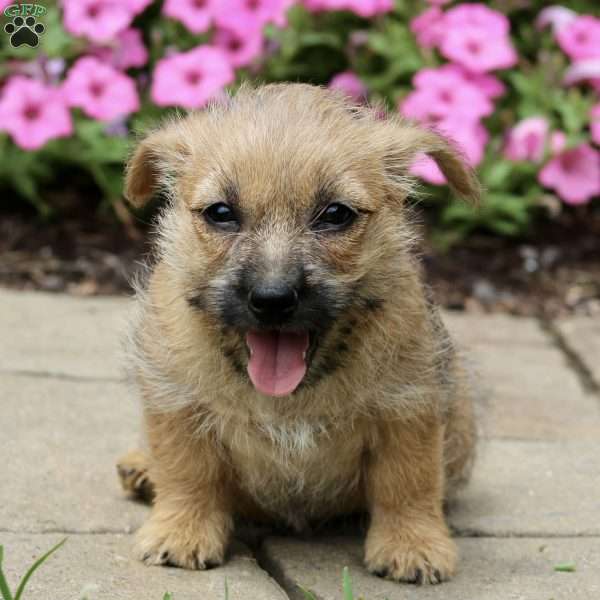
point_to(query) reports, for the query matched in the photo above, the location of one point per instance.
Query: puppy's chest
(297, 469)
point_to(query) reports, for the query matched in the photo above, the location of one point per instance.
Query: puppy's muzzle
(273, 303)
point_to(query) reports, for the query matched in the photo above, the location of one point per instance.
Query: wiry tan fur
(388, 428)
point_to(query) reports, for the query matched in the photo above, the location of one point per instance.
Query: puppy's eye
(334, 218)
(222, 216)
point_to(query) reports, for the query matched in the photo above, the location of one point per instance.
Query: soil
(555, 273)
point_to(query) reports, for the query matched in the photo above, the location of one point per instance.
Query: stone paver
(60, 442)
(529, 391)
(490, 569)
(100, 567)
(531, 489)
(582, 334)
(67, 416)
(62, 335)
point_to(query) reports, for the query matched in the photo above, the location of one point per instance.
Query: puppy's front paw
(133, 474)
(409, 558)
(175, 543)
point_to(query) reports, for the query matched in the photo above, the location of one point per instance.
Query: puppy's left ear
(155, 163)
(405, 141)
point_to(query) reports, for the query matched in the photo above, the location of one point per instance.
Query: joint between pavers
(61, 376)
(574, 361)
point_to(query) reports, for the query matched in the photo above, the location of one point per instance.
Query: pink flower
(587, 70)
(240, 49)
(428, 27)
(477, 49)
(125, 52)
(477, 38)
(33, 113)
(363, 8)
(196, 15)
(137, 6)
(595, 123)
(580, 39)
(98, 20)
(442, 93)
(527, 140)
(558, 141)
(574, 174)
(468, 137)
(556, 16)
(191, 79)
(489, 85)
(100, 90)
(249, 15)
(350, 84)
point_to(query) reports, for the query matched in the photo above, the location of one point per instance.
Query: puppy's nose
(273, 302)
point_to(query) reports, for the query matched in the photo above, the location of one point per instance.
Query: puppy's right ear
(155, 162)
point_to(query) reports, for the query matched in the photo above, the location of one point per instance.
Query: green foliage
(313, 48)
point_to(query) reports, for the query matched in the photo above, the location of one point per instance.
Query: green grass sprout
(4, 589)
(347, 585)
(566, 567)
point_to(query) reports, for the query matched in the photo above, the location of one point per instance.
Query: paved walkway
(66, 415)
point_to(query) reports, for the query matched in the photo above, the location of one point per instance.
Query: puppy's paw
(176, 544)
(133, 474)
(411, 559)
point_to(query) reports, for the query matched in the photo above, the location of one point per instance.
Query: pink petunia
(196, 15)
(479, 16)
(249, 15)
(137, 6)
(191, 79)
(441, 93)
(468, 137)
(100, 90)
(33, 113)
(125, 52)
(350, 84)
(428, 27)
(240, 49)
(98, 20)
(527, 140)
(574, 174)
(580, 39)
(556, 16)
(595, 123)
(584, 71)
(363, 8)
(489, 85)
(477, 50)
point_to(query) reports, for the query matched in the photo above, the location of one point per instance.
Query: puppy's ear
(156, 161)
(405, 141)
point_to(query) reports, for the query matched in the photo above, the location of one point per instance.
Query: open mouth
(279, 360)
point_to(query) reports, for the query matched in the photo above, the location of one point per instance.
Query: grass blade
(168, 596)
(226, 589)
(308, 595)
(34, 568)
(347, 585)
(6, 595)
(565, 568)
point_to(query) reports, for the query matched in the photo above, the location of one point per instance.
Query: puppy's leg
(133, 474)
(408, 539)
(191, 518)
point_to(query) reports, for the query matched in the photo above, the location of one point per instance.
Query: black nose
(273, 302)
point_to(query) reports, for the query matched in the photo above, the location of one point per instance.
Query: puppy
(290, 363)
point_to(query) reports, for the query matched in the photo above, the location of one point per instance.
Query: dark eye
(334, 218)
(222, 216)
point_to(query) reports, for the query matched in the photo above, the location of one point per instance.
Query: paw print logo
(24, 31)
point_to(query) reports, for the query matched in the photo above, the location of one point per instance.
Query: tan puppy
(290, 363)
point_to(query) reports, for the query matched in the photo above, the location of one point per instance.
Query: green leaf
(169, 596)
(568, 567)
(34, 568)
(347, 585)
(4, 590)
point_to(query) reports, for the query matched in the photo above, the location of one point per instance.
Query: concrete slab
(60, 443)
(582, 334)
(531, 489)
(99, 567)
(489, 569)
(530, 390)
(64, 335)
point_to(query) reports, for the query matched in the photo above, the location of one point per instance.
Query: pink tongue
(276, 365)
